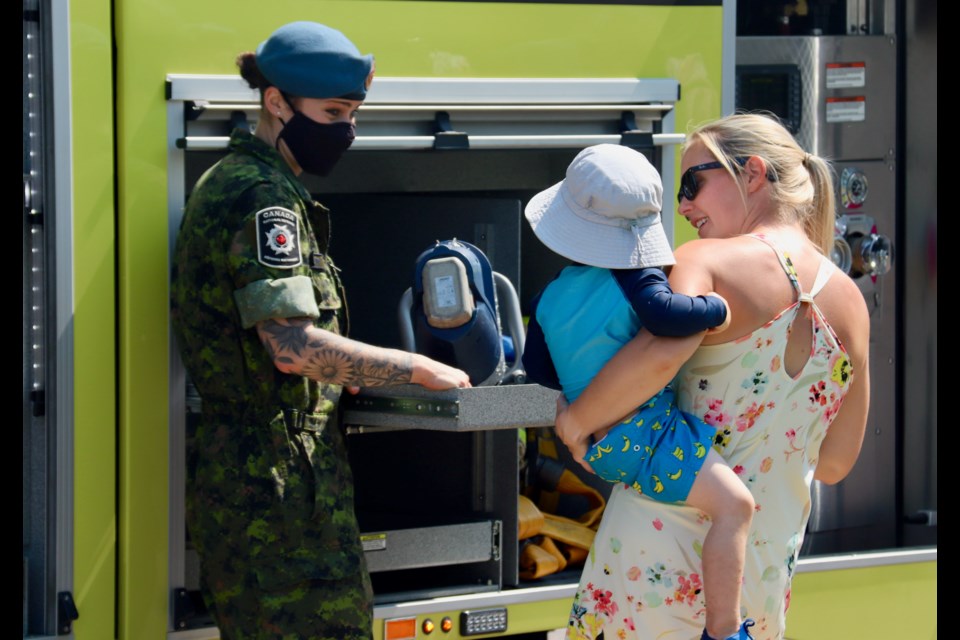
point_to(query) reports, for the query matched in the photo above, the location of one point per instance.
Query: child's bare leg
(719, 493)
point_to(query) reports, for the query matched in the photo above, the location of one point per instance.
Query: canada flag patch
(278, 238)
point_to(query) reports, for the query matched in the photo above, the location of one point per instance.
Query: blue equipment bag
(454, 311)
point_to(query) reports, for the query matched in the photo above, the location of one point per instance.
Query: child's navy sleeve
(536, 357)
(663, 312)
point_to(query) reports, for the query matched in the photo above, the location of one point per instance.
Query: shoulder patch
(278, 238)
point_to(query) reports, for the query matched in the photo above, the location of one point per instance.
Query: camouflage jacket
(268, 478)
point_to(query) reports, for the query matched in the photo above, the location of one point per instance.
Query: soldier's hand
(436, 375)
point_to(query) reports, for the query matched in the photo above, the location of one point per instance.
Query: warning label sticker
(845, 75)
(373, 541)
(846, 109)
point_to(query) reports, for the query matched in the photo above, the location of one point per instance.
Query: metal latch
(66, 612)
(631, 136)
(444, 136)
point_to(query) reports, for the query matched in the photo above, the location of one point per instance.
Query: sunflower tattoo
(331, 365)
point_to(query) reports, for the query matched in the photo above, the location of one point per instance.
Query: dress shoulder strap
(785, 262)
(824, 272)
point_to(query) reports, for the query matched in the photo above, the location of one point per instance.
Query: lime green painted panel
(880, 603)
(437, 39)
(892, 602)
(95, 527)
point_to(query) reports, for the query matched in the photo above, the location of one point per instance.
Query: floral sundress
(643, 577)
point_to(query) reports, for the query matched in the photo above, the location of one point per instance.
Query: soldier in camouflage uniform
(258, 313)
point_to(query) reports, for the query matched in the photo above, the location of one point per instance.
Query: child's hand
(726, 321)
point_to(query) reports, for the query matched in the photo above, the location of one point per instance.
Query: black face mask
(316, 146)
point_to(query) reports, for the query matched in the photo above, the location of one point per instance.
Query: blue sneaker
(743, 634)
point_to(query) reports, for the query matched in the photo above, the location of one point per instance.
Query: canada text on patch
(278, 238)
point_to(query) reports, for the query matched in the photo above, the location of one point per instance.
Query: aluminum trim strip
(866, 560)
(460, 108)
(534, 91)
(372, 143)
(61, 418)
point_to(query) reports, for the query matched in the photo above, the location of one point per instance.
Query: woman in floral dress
(786, 386)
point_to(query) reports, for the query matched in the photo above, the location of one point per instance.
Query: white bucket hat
(606, 212)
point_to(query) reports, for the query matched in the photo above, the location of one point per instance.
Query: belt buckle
(302, 422)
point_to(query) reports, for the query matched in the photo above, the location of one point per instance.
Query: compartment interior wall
(414, 478)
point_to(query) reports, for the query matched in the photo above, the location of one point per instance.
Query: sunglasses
(688, 181)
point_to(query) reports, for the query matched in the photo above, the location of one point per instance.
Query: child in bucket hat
(605, 217)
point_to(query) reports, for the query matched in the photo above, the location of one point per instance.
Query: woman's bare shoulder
(694, 273)
(720, 257)
(691, 249)
(702, 253)
(706, 249)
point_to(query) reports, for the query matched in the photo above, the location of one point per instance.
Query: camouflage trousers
(313, 609)
(269, 508)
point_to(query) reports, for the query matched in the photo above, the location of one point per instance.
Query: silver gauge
(853, 188)
(842, 254)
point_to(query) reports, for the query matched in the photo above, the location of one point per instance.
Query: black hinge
(189, 610)
(444, 137)
(630, 136)
(238, 120)
(66, 612)
(38, 402)
(31, 15)
(193, 109)
(182, 608)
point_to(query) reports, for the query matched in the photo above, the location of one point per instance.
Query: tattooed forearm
(296, 346)
(385, 371)
(358, 368)
(285, 335)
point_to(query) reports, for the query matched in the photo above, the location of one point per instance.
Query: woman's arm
(841, 446)
(639, 370)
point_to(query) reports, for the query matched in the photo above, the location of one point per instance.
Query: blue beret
(311, 60)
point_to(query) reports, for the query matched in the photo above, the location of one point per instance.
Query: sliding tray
(473, 409)
(416, 548)
(434, 561)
